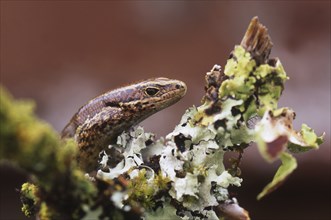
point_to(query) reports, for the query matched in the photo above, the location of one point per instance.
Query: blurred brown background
(62, 53)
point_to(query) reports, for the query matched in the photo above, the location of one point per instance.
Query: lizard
(99, 122)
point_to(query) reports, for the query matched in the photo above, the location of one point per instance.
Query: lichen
(258, 86)
(240, 107)
(288, 165)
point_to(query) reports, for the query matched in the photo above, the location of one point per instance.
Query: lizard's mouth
(176, 90)
(182, 88)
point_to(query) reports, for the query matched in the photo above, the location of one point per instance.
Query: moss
(140, 191)
(33, 145)
(187, 199)
(161, 182)
(29, 199)
(47, 213)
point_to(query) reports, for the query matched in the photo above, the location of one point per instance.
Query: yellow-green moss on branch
(34, 146)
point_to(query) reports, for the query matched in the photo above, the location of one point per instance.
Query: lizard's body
(98, 123)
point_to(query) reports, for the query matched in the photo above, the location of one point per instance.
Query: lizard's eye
(151, 91)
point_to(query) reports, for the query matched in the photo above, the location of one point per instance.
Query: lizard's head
(162, 92)
(153, 95)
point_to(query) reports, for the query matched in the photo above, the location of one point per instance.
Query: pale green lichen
(274, 135)
(276, 127)
(289, 164)
(259, 87)
(191, 157)
(165, 213)
(307, 140)
(131, 148)
(200, 167)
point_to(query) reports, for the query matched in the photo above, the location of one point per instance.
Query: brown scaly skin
(98, 123)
